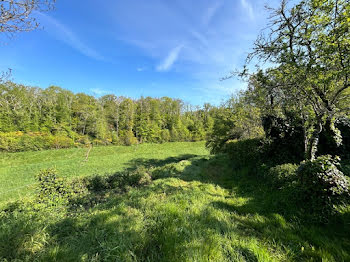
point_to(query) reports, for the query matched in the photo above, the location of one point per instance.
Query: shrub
(243, 152)
(284, 141)
(99, 142)
(120, 181)
(98, 183)
(136, 178)
(61, 141)
(51, 189)
(282, 175)
(322, 185)
(18, 141)
(83, 140)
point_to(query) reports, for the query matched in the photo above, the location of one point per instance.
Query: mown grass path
(18, 170)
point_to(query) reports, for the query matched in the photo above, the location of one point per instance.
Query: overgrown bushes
(243, 152)
(317, 187)
(19, 141)
(120, 181)
(322, 185)
(53, 190)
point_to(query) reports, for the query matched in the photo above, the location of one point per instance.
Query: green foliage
(19, 141)
(51, 189)
(165, 135)
(335, 138)
(282, 175)
(307, 43)
(346, 169)
(120, 181)
(139, 177)
(235, 119)
(244, 152)
(322, 185)
(36, 119)
(284, 139)
(127, 138)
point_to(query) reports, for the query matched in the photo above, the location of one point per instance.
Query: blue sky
(176, 48)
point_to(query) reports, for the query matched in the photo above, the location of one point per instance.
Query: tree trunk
(313, 142)
(306, 138)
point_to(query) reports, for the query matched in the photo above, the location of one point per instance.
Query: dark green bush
(322, 186)
(284, 141)
(346, 170)
(120, 181)
(98, 183)
(244, 152)
(282, 175)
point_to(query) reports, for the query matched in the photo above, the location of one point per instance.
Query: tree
(18, 15)
(309, 44)
(235, 119)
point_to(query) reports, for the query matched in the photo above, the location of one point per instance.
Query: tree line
(30, 114)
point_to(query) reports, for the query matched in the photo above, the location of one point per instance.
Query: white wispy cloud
(211, 12)
(171, 58)
(215, 37)
(141, 69)
(64, 34)
(249, 8)
(98, 91)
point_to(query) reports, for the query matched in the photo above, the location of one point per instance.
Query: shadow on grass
(134, 163)
(199, 209)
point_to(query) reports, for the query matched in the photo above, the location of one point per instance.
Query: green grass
(198, 208)
(18, 170)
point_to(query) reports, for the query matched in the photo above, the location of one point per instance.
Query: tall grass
(197, 208)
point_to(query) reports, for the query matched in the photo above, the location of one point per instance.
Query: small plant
(136, 178)
(51, 188)
(322, 185)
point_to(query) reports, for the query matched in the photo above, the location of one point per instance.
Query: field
(18, 170)
(197, 208)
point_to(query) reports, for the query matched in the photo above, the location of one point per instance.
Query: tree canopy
(308, 46)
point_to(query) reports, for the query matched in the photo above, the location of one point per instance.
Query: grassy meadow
(18, 170)
(198, 208)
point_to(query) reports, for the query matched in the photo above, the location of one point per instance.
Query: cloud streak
(98, 91)
(169, 61)
(64, 34)
(211, 12)
(248, 7)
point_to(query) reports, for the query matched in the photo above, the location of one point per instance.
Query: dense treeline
(35, 118)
